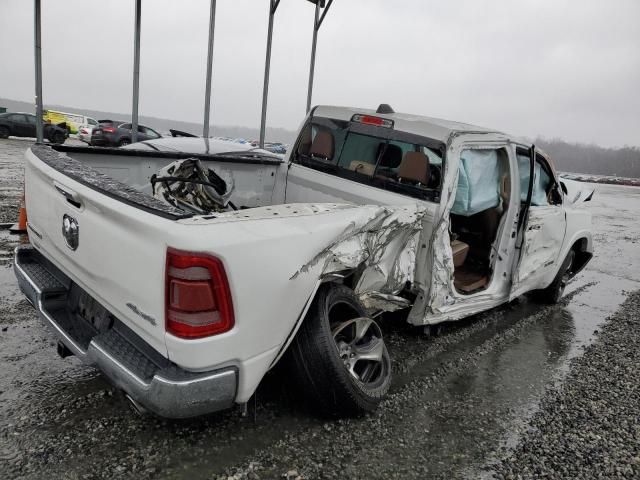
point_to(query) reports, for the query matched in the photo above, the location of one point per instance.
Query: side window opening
(544, 191)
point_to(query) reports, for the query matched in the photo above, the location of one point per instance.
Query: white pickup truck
(185, 275)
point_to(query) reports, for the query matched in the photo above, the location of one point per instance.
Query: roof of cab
(435, 128)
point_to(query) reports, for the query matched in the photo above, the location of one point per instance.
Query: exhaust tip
(137, 408)
(63, 351)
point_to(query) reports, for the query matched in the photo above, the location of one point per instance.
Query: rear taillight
(198, 298)
(108, 129)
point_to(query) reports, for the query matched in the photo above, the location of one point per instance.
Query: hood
(577, 192)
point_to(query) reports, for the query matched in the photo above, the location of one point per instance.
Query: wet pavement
(459, 401)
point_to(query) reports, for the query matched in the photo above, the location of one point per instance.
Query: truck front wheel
(338, 356)
(553, 292)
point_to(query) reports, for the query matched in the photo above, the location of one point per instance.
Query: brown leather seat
(414, 168)
(460, 251)
(322, 145)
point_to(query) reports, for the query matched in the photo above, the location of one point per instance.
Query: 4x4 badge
(70, 231)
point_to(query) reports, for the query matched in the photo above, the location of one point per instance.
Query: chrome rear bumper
(130, 363)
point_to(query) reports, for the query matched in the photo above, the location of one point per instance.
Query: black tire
(124, 142)
(553, 293)
(323, 361)
(4, 132)
(58, 137)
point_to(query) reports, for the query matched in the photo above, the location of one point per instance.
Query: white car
(84, 133)
(185, 269)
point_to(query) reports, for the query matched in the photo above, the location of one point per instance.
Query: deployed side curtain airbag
(540, 182)
(478, 180)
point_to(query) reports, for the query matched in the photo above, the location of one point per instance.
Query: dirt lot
(466, 404)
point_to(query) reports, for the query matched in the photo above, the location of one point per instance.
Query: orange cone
(21, 226)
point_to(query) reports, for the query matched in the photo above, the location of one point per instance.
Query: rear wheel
(124, 142)
(58, 137)
(339, 357)
(4, 132)
(553, 293)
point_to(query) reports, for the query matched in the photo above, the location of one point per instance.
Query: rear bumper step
(130, 363)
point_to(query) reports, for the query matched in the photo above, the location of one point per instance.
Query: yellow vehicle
(74, 121)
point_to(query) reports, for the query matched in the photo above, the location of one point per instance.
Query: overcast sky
(557, 68)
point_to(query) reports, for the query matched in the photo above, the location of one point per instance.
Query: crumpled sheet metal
(383, 244)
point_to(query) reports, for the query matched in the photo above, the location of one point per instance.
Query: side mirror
(564, 188)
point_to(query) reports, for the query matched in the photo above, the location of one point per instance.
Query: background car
(84, 134)
(74, 121)
(24, 125)
(110, 133)
(276, 147)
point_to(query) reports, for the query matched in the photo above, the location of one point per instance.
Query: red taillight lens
(108, 129)
(198, 298)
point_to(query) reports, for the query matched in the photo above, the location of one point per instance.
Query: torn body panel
(380, 248)
(577, 192)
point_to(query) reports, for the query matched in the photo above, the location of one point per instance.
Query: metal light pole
(317, 23)
(273, 6)
(136, 73)
(207, 91)
(38, 64)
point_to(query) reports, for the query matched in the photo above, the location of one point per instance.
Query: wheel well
(582, 255)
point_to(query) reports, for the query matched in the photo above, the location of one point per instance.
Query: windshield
(379, 156)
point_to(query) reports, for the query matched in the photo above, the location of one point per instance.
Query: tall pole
(38, 64)
(313, 56)
(317, 23)
(273, 5)
(207, 90)
(136, 73)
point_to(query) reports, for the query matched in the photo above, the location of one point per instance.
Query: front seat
(322, 145)
(414, 168)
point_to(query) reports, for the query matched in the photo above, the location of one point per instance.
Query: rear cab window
(373, 154)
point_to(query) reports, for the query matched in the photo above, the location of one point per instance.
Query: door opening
(477, 216)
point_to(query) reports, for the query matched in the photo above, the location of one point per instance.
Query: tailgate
(119, 258)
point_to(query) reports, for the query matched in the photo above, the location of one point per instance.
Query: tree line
(583, 158)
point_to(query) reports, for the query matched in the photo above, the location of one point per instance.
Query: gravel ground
(589, 425)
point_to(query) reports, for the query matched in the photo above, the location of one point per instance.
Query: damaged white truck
(184, 277)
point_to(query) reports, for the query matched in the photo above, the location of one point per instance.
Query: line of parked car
(103, 133)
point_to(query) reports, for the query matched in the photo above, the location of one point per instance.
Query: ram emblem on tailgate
(70, 231)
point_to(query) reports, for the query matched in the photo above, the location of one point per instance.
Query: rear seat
(460, 251)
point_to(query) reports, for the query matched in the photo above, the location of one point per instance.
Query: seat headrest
(392, 156)
(322, 145)
(414, 167)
